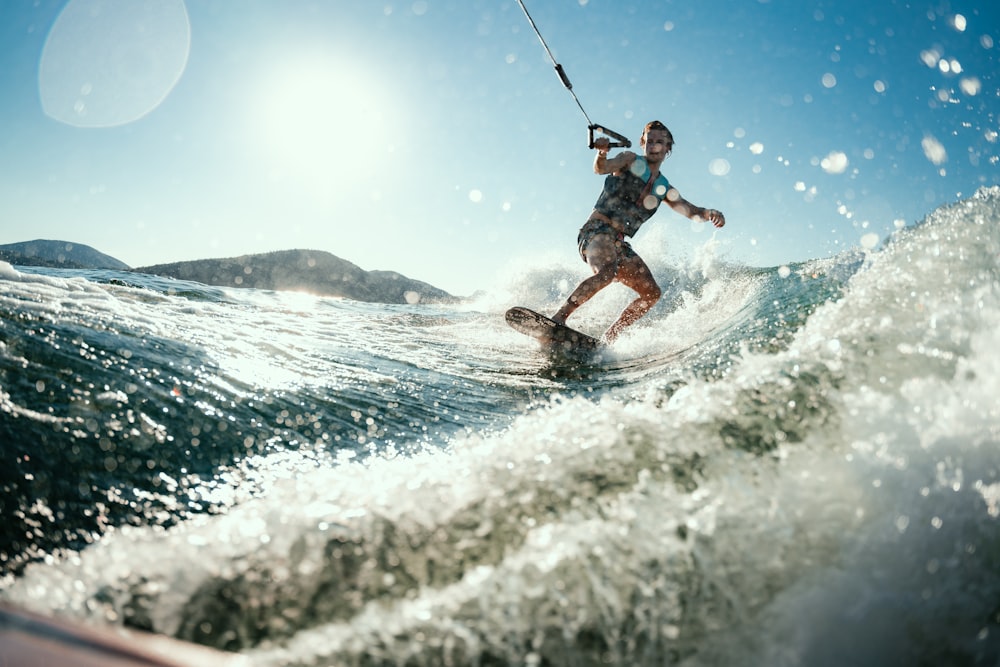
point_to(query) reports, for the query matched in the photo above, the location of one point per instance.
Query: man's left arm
(688, 210)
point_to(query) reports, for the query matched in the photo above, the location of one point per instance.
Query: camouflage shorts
(595, 227)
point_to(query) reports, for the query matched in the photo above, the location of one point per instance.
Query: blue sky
(432, 137)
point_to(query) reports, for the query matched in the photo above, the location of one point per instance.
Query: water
(787, 466)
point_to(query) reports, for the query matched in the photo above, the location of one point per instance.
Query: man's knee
(649, 292)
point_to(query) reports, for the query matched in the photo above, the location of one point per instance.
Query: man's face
(658, 144)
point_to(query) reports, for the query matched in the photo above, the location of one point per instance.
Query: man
(632, 193)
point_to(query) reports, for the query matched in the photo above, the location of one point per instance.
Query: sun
(321, 124)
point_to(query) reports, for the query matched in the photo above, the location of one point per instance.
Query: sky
(434, 138)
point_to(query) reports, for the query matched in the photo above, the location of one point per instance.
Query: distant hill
(311, 271)
(59, 254)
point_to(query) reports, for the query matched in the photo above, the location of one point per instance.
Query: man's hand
(713, 216)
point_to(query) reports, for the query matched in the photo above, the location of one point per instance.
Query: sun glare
(111, 62)
(320, 124)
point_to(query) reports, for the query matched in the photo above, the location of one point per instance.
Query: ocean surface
(795, 465)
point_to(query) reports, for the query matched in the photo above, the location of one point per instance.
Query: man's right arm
(609, 165)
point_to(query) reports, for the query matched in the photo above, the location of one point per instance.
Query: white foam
(848, 480)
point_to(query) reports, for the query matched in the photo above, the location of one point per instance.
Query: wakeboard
(549, 333)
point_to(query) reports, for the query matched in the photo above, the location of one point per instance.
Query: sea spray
(811, 480)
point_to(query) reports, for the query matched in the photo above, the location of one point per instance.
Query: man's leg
(602, 257)
(633, 273)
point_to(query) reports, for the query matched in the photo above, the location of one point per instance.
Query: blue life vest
(629, 198)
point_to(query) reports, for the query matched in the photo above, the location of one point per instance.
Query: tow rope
(592, 127)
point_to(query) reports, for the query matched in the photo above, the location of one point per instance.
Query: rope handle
(622, 142)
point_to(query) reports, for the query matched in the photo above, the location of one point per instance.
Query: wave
(777, 459)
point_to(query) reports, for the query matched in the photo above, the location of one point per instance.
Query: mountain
(59, 254)
(312, 271)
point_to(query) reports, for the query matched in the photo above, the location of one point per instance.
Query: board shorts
(595, 227)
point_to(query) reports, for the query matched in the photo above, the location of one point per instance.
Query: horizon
(70, 245)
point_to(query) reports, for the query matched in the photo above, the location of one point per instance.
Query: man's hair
(656, 125)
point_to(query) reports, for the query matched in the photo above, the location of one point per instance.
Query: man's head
(657, 140)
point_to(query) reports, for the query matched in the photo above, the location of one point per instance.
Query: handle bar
(622, 142)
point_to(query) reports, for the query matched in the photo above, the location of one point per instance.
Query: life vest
(630, 197)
